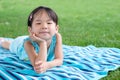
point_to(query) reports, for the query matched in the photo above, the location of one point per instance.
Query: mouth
(43, 32)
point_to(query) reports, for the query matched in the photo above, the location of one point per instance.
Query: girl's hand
(34, 37)
(40, 66)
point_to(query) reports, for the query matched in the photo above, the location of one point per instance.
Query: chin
(45, 38)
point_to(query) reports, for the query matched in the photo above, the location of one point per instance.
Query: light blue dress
(17, 47)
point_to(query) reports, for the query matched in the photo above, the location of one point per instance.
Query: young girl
(43, 46)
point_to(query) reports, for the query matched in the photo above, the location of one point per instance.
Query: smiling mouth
(43, 32)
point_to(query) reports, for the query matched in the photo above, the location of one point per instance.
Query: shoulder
(58, 37)
(28, 46)
(27, 43)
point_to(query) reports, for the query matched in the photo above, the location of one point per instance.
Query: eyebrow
(37, 20)
(41, 20)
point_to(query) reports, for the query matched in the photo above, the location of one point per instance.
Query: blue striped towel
(80, 63)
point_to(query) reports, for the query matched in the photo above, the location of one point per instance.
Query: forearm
(30, 52)
(55, 62)
(58, 53)
(42, 55)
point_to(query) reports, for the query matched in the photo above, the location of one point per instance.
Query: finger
(38, 65)
(37, 68)
(35, 36)
(38, 62)
(40, 70)
(31, 34)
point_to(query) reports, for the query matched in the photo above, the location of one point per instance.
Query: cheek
(53, 31)
(35, 30)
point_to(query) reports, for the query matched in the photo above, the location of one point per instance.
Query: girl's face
(43, 26)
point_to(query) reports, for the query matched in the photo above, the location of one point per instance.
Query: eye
(38, 23)
(49, 23)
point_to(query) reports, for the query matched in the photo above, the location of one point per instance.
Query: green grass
(82, 22)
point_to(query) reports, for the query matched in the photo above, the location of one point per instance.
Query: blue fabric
(80, 63)
(17, 47)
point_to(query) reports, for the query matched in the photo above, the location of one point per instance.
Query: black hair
(49, 11)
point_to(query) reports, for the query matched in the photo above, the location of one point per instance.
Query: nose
(44, 26)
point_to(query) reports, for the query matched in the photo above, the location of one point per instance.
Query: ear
(29, 29)
(57, 28)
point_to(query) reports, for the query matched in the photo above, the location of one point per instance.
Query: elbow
(60, 62)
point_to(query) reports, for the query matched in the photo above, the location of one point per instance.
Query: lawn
(82, 22)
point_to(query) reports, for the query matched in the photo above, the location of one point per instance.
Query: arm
(30, 52)
(36, 59)
(39, 64)
(33, 56)
(58, 53)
